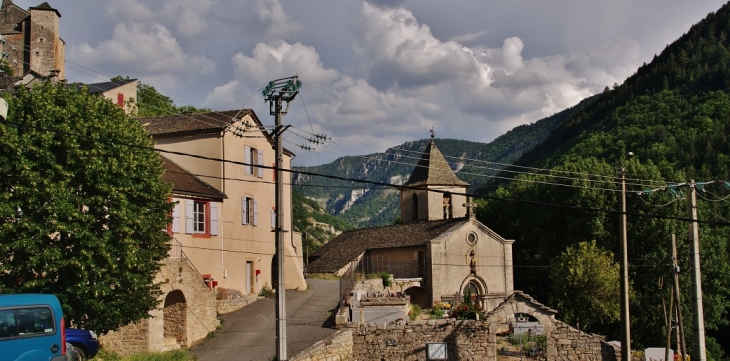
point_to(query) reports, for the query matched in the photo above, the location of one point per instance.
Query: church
(439, 244)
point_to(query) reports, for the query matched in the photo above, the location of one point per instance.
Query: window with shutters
(201, 218)
(249, 211)
(254, 159)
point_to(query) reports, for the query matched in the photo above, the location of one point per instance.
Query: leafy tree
(82, 206)
(5, 69)
(586, 285)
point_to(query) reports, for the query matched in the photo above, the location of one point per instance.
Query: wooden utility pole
(277, 92)
(699, 352)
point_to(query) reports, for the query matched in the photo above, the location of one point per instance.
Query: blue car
(83, 341)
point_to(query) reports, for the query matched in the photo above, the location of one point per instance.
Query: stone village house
(439, 245)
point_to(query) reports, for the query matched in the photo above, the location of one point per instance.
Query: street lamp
(625, 326)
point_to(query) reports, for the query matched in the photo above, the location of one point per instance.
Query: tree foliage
(586, 285)
(82, 207)
(674, 114)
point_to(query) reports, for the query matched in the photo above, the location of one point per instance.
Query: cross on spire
(470, 207)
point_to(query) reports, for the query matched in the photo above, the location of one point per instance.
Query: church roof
(432, 169)
(349, 245)
(46, 6)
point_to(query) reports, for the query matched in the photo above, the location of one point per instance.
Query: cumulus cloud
(149, 48)
(469, 37)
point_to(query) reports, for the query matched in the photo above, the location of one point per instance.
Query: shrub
(415, 311)
(386, 278)
(266, 291)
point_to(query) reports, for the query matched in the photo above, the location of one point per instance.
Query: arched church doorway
(174, 314)
(474, 290)
(418, 297)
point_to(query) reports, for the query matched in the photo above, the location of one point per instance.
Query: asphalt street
(250, 333)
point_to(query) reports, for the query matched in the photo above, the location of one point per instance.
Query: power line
(400, 187)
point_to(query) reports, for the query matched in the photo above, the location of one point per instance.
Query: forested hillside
(674, 114)
(362, 205)
(316, 225)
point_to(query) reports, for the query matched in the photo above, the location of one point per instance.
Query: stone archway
(476, 287)
(418, 296)
(175, 317)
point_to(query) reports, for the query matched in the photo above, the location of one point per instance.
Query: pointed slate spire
(432, 169)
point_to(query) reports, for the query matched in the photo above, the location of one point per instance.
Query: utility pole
(276, 93)
(625, 321)
(699, 352)
(678, 304)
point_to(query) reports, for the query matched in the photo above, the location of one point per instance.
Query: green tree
(82, 206)
(586, 283)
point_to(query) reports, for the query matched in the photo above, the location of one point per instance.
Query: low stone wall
(337, 347)
(567, 343)
(234, 304)
(466, 340)
(134, 336)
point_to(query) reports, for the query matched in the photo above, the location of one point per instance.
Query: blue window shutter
(255, 213)
(214, 219)
(189, 216)
(176, 218)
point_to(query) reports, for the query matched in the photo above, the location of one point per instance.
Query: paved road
(250, 333)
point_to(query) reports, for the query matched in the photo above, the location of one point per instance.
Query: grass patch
(415, 311)
(322, 276)
(177, 355)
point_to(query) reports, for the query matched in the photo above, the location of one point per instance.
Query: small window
(37, 54)
(40, 40)
(199, 217)
(249, 211)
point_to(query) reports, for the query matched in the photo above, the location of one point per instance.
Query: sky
(376, 73)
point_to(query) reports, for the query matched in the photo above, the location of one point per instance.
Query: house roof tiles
(185, 183)
(346, 247)
(191, 122)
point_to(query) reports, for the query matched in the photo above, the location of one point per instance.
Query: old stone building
(440, 244)
(32, 39)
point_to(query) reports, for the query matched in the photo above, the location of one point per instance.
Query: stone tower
(435, 192)
(33, 40)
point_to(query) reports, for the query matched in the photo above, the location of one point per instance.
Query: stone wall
(567, 343)
(193, 313)
(230, 305)
(337, 347)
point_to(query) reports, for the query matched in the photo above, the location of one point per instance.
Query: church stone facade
(439, 243)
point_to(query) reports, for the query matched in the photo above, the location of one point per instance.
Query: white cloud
(147, 48)
(468, 37)
(281, 59)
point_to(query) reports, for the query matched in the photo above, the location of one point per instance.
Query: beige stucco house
(440, 246)
(224, 197)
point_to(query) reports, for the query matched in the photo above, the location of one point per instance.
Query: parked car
(31, 328)
(83, 341)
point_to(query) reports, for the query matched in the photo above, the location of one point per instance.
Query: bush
(415, 311)
(266, 291)
(386, 278)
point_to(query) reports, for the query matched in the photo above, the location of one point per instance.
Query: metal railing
(377, 264)
(176, 251)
